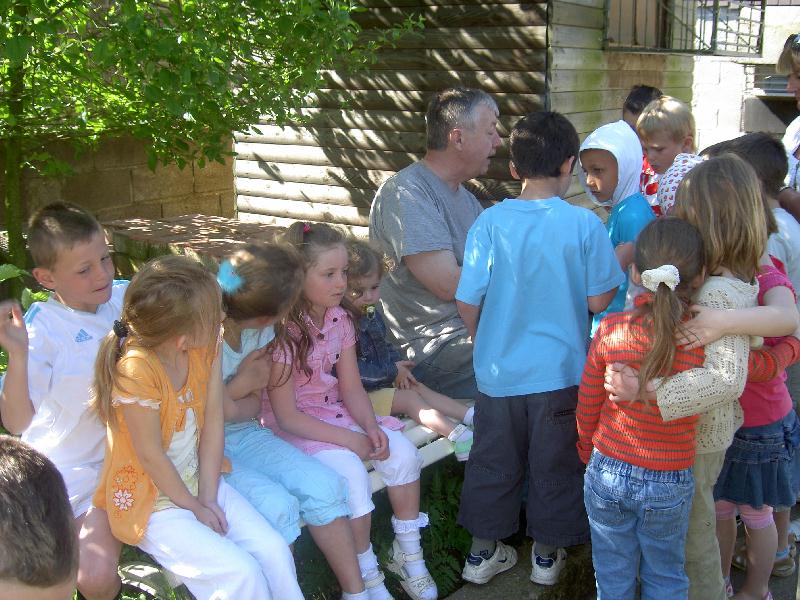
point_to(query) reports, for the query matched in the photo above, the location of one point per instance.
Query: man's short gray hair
(453, 108)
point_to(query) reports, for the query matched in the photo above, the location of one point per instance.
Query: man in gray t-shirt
(420, 218)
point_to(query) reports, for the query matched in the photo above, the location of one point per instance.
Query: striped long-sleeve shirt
(633, 432)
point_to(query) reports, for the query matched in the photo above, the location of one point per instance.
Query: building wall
(364, 127)
(114, 182)
(589, 84)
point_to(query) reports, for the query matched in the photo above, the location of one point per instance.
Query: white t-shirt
(791, 141)
(785, 245)
(251, 339)
(62, 348)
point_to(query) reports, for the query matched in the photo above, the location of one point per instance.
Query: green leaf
(17, 48)
(8, 271)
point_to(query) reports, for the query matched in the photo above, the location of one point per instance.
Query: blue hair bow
(228, 279)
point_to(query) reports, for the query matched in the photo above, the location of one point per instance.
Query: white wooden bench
(432, 447)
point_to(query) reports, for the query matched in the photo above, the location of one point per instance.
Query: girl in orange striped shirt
(638, 485)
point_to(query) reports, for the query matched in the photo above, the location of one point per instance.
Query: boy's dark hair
(639, 97)
(38, 543)
(540, 143)
(766, 155)
(57, 226)
(450, 109)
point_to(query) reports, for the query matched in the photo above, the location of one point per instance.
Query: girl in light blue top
(260, 282)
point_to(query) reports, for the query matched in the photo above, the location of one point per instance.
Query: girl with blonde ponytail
(158, 388)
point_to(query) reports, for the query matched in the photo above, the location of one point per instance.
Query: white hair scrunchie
(666, 274)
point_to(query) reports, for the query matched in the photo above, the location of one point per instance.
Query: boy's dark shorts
(515, 435)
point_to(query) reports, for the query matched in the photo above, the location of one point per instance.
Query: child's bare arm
(778, 317)
(242, 397)
(358, 403)
(470, 314)
(16, 408)
(145, 429)
(212, 438)
(599, 303)
(284, 405)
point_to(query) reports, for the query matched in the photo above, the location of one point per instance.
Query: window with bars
(733, 28)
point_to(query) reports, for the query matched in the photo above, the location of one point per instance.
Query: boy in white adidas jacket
(45, 391)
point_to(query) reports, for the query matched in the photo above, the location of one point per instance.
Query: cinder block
(99, 189)
(164, 182)
(213, 177)
(120, 152)
(207, 204)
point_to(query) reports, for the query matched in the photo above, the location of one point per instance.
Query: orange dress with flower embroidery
(126, 492)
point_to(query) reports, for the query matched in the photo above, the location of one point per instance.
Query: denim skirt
(762, 466)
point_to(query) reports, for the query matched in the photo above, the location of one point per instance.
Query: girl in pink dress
(331, 416)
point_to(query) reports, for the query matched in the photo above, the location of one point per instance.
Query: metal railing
(734, 28)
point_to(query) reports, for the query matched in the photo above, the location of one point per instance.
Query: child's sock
(468, 418)
(408, 538)
(368, 565)
(483, 548)
(544, 550)
(462, 434)
(781, 554)
(357, 596)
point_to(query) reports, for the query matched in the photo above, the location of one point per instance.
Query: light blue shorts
(281, 482)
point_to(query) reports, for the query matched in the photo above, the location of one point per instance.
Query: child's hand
(380, 444)
(708, 325)
(13, 334)
(360, 444)
(404, 379)
(622, 383)
(253, 372)
(211, 515)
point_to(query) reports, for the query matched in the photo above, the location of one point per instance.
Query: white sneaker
(480, 570)
(547, 569)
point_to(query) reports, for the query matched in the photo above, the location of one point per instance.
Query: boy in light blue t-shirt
(533, 268)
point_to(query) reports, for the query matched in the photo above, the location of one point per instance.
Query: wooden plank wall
(589, 84)
(364, 127)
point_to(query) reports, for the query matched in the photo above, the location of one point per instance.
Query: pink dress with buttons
(318, 395)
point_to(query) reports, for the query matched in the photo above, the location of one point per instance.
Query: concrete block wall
(718, 93)
(114, 182)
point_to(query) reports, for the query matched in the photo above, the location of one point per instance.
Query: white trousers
(403, 466)
(251, 561)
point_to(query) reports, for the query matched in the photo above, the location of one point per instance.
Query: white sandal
(415, 587)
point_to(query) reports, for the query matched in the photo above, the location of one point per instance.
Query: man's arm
(789, 200)
(600, 302)
(437, 271)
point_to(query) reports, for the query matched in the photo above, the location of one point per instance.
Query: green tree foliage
(180, 74)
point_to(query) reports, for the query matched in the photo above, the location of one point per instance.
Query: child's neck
(174, 357)
(541, 188)
(772, 202)
(87, 308)
(317, 314)
(232, 333)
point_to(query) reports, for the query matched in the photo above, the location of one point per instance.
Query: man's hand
(404, 379)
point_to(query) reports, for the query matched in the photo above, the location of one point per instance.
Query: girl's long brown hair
(169, 297)
(310, 240)
(722, 198)
(667, 241)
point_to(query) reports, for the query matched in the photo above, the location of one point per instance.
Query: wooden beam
(530, 37)
(477, 59)
(473, 15)
(432, 81)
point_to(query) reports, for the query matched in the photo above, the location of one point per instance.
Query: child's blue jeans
(639, 518)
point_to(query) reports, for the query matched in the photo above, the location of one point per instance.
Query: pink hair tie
(306, 228)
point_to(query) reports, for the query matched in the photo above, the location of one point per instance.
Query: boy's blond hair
(666, 114)
(789, 59)
(59, 226)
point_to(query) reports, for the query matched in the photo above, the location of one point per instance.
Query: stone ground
(516, 585)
